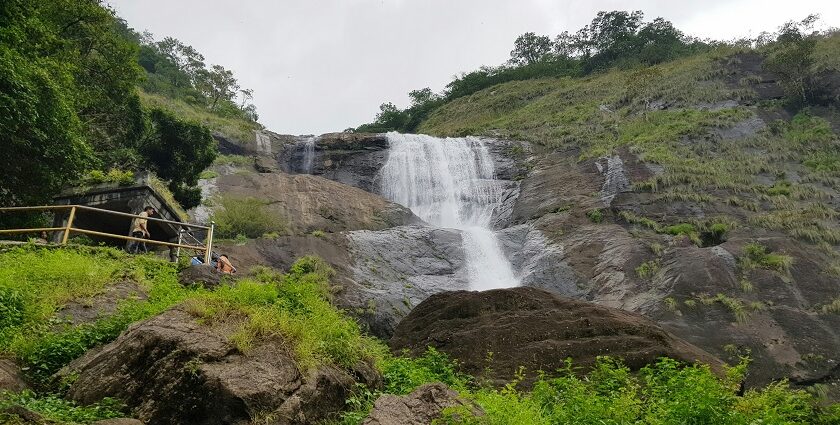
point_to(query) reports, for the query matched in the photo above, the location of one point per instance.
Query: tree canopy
(69, 103)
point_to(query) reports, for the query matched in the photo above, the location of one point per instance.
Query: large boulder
(308, 203)
(172, 369)
(11, 377)
(202, 274)
(535, 329)
(421, 407)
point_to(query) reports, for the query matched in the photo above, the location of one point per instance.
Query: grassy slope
(235, 128)
(601, 113)
(36, 281)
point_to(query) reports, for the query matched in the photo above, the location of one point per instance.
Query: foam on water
(451, 183)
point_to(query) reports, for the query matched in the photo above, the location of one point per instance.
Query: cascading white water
(450, 183)
(308, 155)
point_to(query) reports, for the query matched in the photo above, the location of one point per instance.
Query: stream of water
(308, 155)
(450, 183)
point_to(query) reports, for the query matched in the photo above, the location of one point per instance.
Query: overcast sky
(324, 65)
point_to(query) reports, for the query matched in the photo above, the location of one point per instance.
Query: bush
(756, 256)
(249, 217)
(114, 175)
(55, 408)
(595, 215)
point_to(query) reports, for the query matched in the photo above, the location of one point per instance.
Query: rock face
(171, 369)
(11, 377)
(353, 159)
(204, 275)
(396, 269)
(421, 407)
(536, 329)
(311, 203)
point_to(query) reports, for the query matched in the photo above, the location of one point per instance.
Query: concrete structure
(130, 199)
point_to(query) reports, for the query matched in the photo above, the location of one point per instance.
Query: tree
(791, 58)
(178, 151)
(530, 48)
(218, 84)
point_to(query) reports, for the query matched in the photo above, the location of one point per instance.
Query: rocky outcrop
(204, 275)
(534, 329)
(396, 269)
(421, 407)
(11, 377)
(171, 369)
(353, 159)
(308, 203)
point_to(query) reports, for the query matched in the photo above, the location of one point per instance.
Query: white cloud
(325, 65)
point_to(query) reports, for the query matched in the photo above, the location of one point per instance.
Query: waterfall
(450, 183)
(308, 155)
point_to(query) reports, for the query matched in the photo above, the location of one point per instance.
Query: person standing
(140, 229)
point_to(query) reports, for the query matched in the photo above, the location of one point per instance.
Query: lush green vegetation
(35, 282)
(613, 39)
(245, 217)
(666, 392)
(59, 410)
(70, 73)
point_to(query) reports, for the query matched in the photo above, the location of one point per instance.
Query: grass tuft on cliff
(294, 306)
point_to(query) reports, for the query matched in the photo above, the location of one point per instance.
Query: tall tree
(530, 48)
(218, 84)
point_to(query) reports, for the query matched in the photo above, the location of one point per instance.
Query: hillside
(621, 225)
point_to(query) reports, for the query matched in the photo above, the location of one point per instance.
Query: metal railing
(206, 247)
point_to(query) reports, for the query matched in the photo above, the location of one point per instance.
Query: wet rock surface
(536, 329)
(421, 407)
(396, 269)
(171, 369)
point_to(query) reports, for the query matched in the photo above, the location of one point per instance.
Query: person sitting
(224, 265)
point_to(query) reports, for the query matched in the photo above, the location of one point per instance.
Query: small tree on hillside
(218, 84)
(791, 58)
(530, 48)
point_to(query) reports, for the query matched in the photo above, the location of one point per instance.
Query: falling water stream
(450, 183)
(308, 155)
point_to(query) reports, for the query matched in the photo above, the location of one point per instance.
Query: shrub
(756, 256)
(55, 408)
(249, 217)
(114, 175)
(648, 269)
(595, 215)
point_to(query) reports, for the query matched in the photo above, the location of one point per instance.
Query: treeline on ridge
(616, 39)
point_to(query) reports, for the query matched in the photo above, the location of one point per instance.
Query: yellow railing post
(209, 243)
(69, 226)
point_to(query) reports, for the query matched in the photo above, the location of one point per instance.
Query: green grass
(248, 217)
(757, 256)
(666, 392)
(595, 215)
(234, 160)
(648, 269)
(239, 129)
(295, 306)
(59, 410)
(36, 281)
